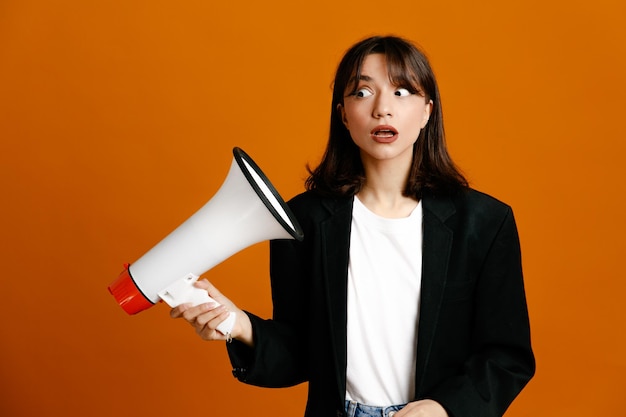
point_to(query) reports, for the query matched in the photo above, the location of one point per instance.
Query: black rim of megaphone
(296, 232)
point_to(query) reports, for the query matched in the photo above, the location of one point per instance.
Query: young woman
(406, 296)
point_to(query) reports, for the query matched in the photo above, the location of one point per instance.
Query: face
(384, 120)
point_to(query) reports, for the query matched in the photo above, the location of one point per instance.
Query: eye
(363, 92)
(402, 92)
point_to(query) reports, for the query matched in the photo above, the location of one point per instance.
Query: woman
(406, 296)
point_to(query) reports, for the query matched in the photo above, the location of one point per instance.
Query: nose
(382, 107)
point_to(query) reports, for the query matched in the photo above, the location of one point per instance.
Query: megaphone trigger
(183, 291)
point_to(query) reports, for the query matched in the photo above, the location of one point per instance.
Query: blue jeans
(360, 410)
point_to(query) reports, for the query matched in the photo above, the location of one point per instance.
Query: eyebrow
(362, 77)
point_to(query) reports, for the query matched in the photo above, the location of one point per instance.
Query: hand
(206, 317)
(422, 408)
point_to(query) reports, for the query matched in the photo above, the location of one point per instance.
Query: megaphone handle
(183, 291)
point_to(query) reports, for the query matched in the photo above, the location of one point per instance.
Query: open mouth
(384, 133)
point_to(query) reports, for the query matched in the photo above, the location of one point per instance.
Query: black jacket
(473, 355)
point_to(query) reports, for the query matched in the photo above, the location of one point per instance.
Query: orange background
(117, 120)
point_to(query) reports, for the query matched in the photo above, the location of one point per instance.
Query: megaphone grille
(268, 194)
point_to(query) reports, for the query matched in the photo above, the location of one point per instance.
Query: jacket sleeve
(280, 349)
(501, 361)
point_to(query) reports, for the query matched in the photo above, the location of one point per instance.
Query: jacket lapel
(435, 260)
(335, 233)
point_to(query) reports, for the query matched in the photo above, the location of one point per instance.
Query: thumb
(211, 289)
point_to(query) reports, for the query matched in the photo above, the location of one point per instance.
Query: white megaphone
(246, 210)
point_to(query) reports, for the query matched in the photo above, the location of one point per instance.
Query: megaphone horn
(246, 210)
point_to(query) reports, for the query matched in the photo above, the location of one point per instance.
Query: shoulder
(478, 201)
(312, 204)
(468, 206)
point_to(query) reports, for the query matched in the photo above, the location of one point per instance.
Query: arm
(263, 352)
(268, 353)
(277, 358)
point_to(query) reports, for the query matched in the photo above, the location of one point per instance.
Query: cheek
(353, 117)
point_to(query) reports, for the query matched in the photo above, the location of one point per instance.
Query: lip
(384, 134)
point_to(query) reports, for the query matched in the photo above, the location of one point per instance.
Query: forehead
(381, 67)
(374, 64)
(372, 67)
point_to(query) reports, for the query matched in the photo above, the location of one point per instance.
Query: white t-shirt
(384, 280)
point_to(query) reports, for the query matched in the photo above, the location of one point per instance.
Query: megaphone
(246, 210)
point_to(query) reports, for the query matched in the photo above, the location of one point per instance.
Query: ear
(427, 111)
(342, 113)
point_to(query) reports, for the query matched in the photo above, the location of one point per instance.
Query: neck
(382, 192)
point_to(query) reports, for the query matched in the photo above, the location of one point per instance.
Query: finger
(210, 288)
(177, 312)
(191, 313)
(203, 283)
(206, 324)
(209, 316)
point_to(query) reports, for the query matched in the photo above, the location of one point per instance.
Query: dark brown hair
(340, 173)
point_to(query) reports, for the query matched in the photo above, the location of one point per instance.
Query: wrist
(243, 329)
